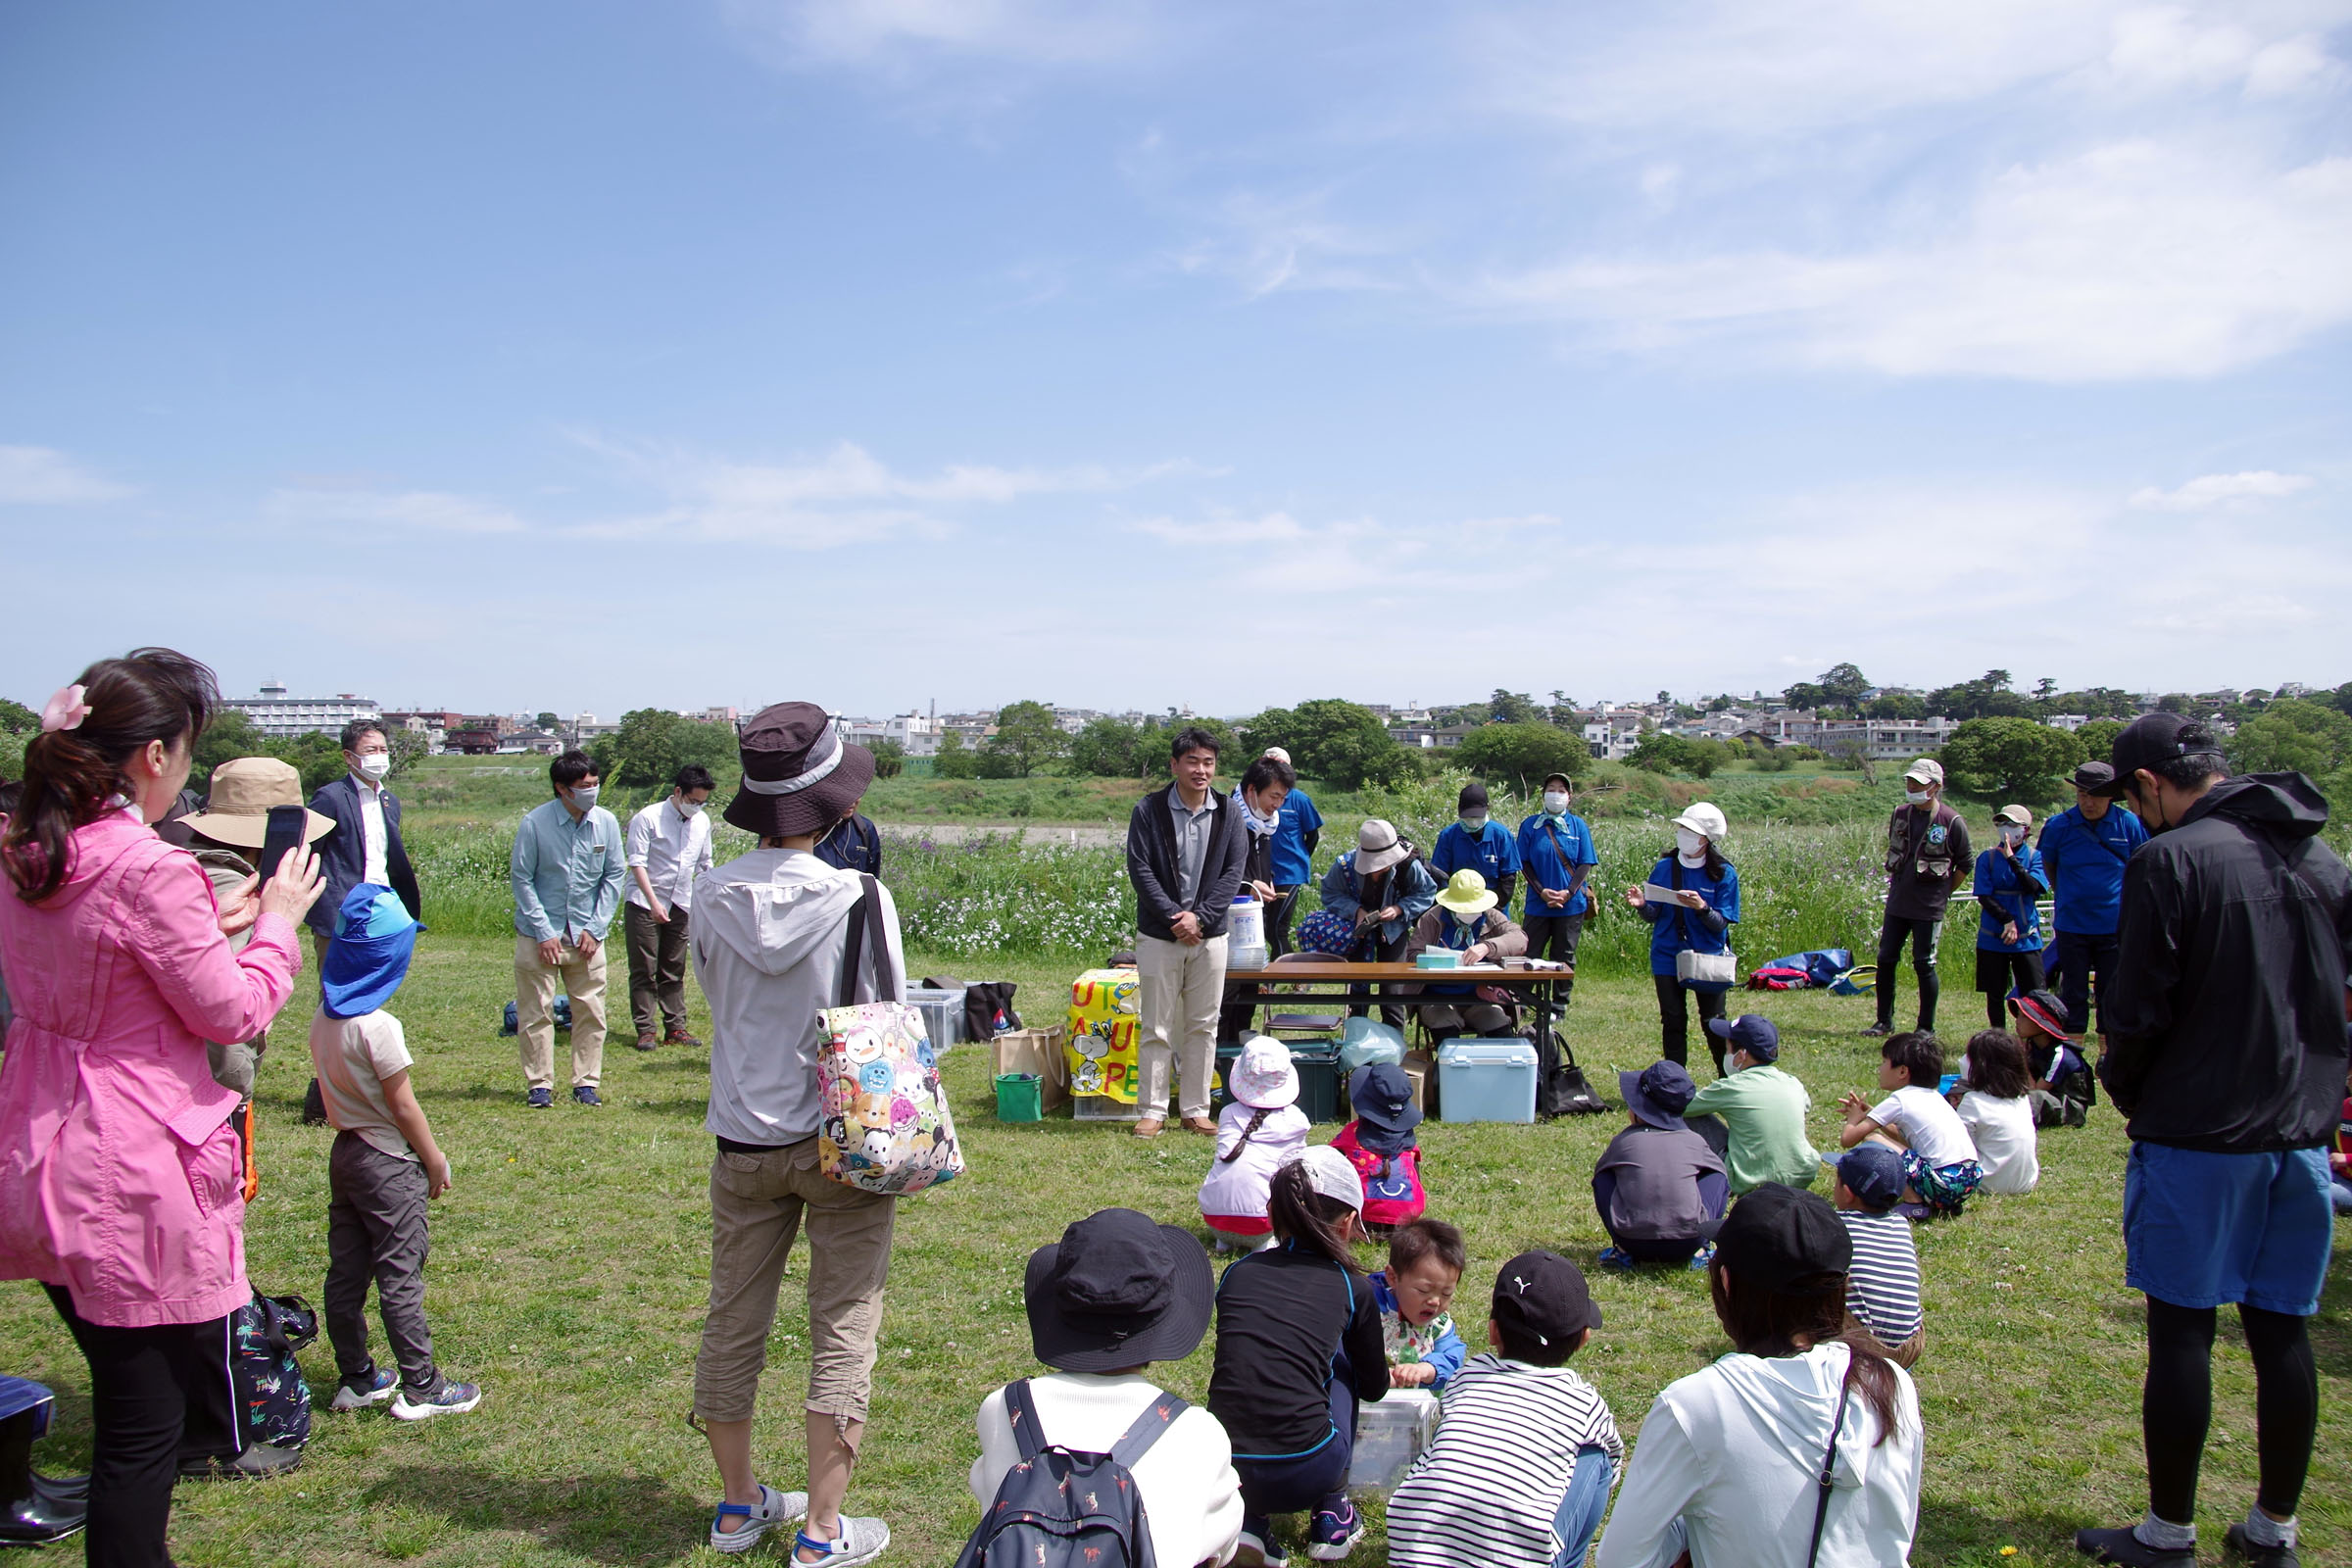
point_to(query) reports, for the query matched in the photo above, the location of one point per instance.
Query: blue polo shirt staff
(1475, 842)
(2083, 849)
(2009, 882)
(1556, 854)
(1295, 839)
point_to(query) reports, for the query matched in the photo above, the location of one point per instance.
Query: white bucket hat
(1262, 1076)
(1705, 818)
(1378, 846)
(1926, 770)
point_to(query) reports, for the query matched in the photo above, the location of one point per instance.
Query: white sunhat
(1926, 770)
(1378, 846)
(1262, 1076)
(1705, 818)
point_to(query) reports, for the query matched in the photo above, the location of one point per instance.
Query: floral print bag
(886, 1127)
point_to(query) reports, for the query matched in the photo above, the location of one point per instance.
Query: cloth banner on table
(1105, 1034)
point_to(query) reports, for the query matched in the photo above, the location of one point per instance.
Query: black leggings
(1922, 935)
(143, 1383)
(1674, 1020)
(2176, 1405)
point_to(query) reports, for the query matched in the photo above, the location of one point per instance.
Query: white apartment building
(275, 712)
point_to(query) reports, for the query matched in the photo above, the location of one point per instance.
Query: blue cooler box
(1486, 1080)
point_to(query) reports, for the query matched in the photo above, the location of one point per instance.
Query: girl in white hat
(1257, 1134)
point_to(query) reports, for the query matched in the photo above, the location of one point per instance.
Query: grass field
(570, 1266)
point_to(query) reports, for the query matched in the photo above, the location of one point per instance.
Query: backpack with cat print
(1062, 1508)
(274, 1402)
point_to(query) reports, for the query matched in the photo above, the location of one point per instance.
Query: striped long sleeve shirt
(1488, 1486)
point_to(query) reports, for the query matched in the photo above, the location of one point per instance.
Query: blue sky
(595, 355)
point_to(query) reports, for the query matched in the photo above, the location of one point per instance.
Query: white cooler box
(1388, 1435)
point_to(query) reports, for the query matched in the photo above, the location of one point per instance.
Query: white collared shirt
(673, 847)
(371, 832)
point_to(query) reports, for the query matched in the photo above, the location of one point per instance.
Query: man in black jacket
(1184, 851)
(2225, 1047)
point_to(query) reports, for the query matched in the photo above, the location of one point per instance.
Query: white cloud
(42, 476)
(430, 510)
(898, 34)
(2222, 490)
(2137, 259)
(1271, 244)
(1804, 66)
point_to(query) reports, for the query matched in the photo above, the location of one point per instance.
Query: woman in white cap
(1706, 906)
(1382, 887)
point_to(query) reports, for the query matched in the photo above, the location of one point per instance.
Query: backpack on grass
(1062, 1508)
(273, 1401)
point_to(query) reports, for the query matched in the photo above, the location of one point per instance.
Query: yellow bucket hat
(1467, 894)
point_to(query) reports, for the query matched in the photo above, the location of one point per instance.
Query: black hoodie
(2226, 1019)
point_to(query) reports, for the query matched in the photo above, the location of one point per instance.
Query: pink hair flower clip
(65, 710)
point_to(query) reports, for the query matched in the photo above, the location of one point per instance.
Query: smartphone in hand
(287, 824)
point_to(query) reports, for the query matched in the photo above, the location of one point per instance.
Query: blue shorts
(2211, 1230)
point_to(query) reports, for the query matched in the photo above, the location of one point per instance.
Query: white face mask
(1556, 800)
(1473, 825)
(1916, 796)
(2014, 833)
(690, 808)
(375, 766)
(583, 796)
(1690, 844)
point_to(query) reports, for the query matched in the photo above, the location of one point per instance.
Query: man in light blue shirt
(566, 870)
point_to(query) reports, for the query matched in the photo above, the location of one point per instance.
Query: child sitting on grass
(1426, 1259)
(1261, 1131)
(1379, 1144)
(1660, 1187)
(382, 1170)
(2064, 1089)
(1754, 1114)
(1298, 1345)
(1117, 1294)
(1519, 1471)
(1882, 1288)
(1991, 1098)
(1940, 1161)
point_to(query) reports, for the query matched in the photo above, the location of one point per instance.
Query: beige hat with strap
(243, 789)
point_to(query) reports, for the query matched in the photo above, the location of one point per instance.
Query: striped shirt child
(1488, 1486)
(1882, 1289)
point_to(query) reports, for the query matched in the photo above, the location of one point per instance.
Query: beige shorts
(758, 1203)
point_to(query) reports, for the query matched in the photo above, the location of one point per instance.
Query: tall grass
(1002, 895)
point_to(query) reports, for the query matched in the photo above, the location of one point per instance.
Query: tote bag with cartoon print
(886, 1128)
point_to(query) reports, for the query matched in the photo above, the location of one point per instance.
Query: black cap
(2092, 777)
(1118, 1291)
(1472, 795)
(2157, 738)
(1778, 1237)
(1544, 1298)
(1751, 1032)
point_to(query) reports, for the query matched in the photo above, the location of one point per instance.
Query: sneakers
(450, 1399)
(1334, 1533)
(540, 1099)
(2123, 1546)
(1702, 1258)
(369, 1388)
(1877, 1030)
(859, 1540)
(586, 1095)
(258, 1462)
(1257, 1543)
(2238, 1545)
(737, 1526)
(647, 1042)
(679, 1037)
(1616, 1258)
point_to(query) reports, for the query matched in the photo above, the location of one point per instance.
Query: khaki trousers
(1182, 989)
(758, 1206)
(535, 1018)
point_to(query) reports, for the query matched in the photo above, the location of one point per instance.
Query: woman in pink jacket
(118, 1180)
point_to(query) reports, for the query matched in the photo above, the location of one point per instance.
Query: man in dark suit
(365, 847)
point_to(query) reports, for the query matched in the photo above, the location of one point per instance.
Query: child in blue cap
(384, 1167)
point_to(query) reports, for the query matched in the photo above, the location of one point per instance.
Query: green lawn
(568, 1272)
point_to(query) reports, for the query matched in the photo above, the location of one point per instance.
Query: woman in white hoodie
(1728, 1467)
